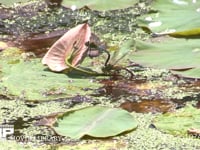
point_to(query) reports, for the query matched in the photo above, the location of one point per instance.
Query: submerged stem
(93, 73)
(80, 70)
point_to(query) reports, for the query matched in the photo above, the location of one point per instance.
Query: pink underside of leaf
(74, 39)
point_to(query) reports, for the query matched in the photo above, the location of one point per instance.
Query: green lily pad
(33, 81)
(178, 123)
(99, 4)
(95, 121)
(190, 73)
(175, 54)
(173, 16)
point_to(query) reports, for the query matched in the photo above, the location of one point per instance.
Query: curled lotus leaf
(70, 46)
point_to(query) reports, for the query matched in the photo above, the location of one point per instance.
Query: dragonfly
(71, 49)
(111, 66)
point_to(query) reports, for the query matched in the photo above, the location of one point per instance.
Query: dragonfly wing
(122, 52)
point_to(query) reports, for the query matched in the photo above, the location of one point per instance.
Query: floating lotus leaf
(175, 54)
(99, 4)
(95, 121)
(181, 55)
(191, 73)
(31, 80)
(180, 122)
(178, 17)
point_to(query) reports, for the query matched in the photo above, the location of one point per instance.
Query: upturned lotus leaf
(71, 46)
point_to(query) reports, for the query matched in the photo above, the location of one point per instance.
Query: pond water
(31, 93)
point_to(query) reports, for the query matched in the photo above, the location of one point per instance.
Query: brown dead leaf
(146, 106)
(38, 41)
